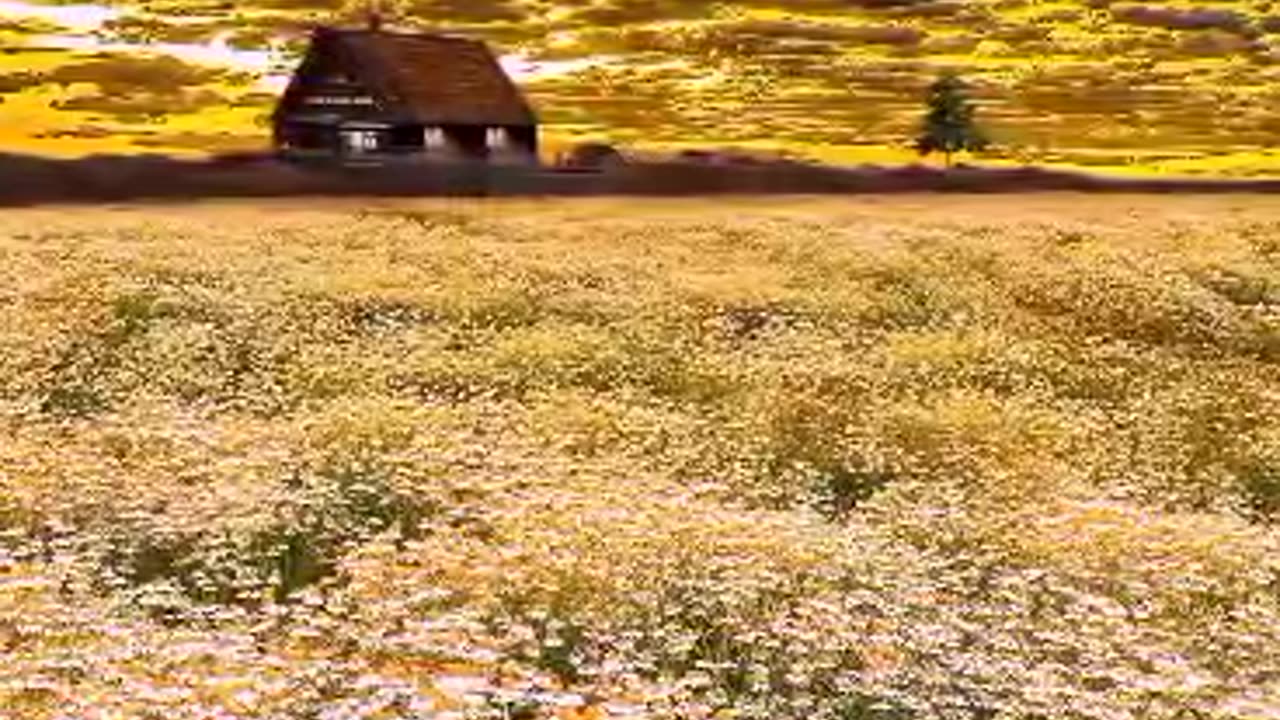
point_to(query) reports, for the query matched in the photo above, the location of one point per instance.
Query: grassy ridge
(795, 458)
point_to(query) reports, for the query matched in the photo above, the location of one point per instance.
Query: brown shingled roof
(434, 78)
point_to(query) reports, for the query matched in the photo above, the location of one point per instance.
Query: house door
(358, 142)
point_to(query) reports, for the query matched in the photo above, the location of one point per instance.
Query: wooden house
(372, 94)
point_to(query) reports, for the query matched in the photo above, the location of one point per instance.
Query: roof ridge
(412, 34)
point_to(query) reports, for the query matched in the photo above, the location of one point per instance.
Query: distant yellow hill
(1176, 87)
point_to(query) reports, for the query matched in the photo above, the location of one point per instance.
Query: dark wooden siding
(326, 73)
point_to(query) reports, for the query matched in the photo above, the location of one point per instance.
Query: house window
(360, 140)
(433, 138)
(496, 138)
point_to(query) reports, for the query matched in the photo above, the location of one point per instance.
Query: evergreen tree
(949, 126)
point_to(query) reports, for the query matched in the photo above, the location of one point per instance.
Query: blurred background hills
(1170, 86)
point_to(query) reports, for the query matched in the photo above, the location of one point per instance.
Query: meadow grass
(928, 457)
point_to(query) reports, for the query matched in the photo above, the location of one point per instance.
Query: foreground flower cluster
(770, 459)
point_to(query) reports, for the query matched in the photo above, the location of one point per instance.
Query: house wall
(320, 97)
(305, 136)
(525, 137)
(369, 136)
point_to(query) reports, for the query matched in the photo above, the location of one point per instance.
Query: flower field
(852, 459)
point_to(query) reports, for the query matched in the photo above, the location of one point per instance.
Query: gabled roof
(431, 78)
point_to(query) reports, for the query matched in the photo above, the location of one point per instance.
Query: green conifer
(949, 126)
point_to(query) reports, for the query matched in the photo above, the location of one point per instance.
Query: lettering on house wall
(341, 100)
